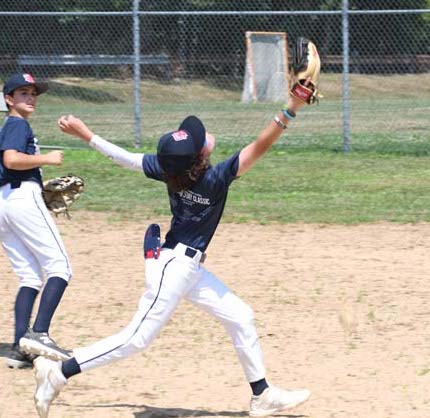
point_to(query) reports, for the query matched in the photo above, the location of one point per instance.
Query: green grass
(305, 177)
(287, 185)
(388, 108)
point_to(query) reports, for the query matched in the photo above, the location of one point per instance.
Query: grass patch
(305, 177)
(287, 185)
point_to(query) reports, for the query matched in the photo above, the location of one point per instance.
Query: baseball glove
(61, 192)
(306, 66)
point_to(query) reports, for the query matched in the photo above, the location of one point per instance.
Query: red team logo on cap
(179, 135)
(28, 78)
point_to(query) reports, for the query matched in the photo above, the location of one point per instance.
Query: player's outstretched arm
(306, 71)
(75, 127)
(252, 152)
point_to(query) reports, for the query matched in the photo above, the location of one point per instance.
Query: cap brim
(41, 87)
(175, 164)
(194, 126)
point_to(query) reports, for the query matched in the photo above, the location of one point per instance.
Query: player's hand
(294, 103)
(54, 157)
(75, 127)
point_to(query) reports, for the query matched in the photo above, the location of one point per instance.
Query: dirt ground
(341, 310)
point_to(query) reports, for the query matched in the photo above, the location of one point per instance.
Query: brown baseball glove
(306, 67)
(61, 192)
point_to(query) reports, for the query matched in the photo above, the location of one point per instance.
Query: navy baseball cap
(177, 151)
(21, 80)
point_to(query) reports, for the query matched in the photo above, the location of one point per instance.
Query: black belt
(14, 184)
(189, 252)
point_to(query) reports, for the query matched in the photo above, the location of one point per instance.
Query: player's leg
(212, 295)
(29, 219)
(27, 269)
(167, 279)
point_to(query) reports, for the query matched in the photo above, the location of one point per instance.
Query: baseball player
(28, 233)
(175, 270)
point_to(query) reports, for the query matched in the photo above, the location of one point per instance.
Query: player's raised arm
(75, 127)
(306, 70)
(252, 152)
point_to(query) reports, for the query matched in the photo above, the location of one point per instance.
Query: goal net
(3, 107)
(266, 72)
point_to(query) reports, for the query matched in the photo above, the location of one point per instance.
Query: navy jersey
(197, 211)
(16, 134)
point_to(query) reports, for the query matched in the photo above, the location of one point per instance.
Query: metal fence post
(345, 76)
(136, 74)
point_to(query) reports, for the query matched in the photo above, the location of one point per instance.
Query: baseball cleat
(16, 359)
(41, 344)
(50, 380)
(274, 399)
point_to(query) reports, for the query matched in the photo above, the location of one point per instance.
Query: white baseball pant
(169, 279)
(30, 236)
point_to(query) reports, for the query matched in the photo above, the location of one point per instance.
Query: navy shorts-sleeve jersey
(197, 211)
(16, 134)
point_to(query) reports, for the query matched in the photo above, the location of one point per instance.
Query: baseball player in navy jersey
(174, 269)
(28, 233)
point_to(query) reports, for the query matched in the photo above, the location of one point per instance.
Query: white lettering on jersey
(194, 197)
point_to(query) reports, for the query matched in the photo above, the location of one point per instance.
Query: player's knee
(66, 275)
(242, 328)
(32, 282)
(245, 316)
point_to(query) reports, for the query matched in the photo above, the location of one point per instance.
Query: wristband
(280, 123)
(289, 114)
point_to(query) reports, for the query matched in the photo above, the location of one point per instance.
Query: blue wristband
(289, 114)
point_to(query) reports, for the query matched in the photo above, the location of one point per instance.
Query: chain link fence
(133, 70)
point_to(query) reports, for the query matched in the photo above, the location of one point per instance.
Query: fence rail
(25, 62)
(386, 64)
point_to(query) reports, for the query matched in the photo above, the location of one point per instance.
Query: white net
(3, 107)
(266, 67)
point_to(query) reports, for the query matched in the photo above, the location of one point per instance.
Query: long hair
(188, 178)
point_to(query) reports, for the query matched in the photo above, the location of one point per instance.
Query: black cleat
(17, 359)
(41, 344)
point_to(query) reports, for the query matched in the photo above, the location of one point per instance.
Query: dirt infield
(341, 310)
